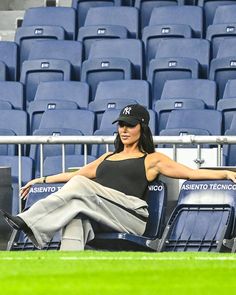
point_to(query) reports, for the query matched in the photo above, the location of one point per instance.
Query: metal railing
(175, 141)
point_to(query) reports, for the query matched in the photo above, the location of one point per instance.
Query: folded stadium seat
(64, 17)
(202, 219)
(96, 70)
(53, 164)
(78, 122)
(8, 56)
(89, 34)
(27, 173)
(34, 72)
(222, 68)
(145, 8)
(196, 119)
(60, 50)
(187, 23)
(11, 94)
(82, 7)
(227, 106)
(178, 59)
(202, 89)
(209, 8)
(223, 26)
(12, 123)
(156, 199)
(164, 107)
(26, 36)
(115, 94)
(75, 91)
(193, 122)
(119, 15)
(123, 48)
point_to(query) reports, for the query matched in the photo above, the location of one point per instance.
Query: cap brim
(129, 120)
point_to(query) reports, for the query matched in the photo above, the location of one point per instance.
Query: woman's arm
(166, 166)
(88, 171)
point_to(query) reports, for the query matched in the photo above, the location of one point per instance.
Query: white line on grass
(105, 258)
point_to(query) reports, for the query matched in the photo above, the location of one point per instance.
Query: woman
(107, 194)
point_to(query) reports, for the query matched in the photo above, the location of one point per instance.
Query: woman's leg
(82, 196)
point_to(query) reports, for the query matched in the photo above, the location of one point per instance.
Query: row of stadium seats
(144, 7)
(202, 221)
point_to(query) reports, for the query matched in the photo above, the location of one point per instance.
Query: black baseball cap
(133, 114)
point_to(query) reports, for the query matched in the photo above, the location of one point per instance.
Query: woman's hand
(231, 175)
(24, 191)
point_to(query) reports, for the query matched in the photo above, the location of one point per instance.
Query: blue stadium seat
(74, 91)
(89, 34)
(184, 14)
(164, 107)
(225, 14)
(145, 8)
(12, 123)
(119, 15)
(8, 56)
(53, 164)
(36, 109)
(202, 219)
(216, 33)
(178, 59)
(64, 17)
(187, 122)
(222, 68)
(12, 93)
(35, 71)
(62, 50)
(82, 7)
(227, 106)
(209, 8)
(122, 48)
(78, 122)
(26, 36)
(156, 199)
(82, 120)
(96, 70)
(202, 89)
(152, 35)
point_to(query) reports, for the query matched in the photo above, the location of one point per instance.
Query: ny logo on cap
(127, 110)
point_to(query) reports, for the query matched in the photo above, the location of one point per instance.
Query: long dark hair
(145, 143)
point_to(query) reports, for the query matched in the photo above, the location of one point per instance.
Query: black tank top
(127, 176)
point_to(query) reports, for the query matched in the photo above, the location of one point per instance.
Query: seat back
(122, 48)
(68, 50)
(96, 70)
(64, 17)
(157, 200)
(196, 119)
(146, 7)
(184, 14)
(164, 107)
(201, 89)
(12, 92)
(82, 7)
(26, 36)
(35, 71)
(71, 91)
(122, 16)
(90, 34)
(203, 217)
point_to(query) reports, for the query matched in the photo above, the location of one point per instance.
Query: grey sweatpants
(76, 206)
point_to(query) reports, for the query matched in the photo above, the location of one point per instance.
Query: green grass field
(92, 272)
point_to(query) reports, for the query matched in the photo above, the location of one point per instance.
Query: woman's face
(129, 134)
